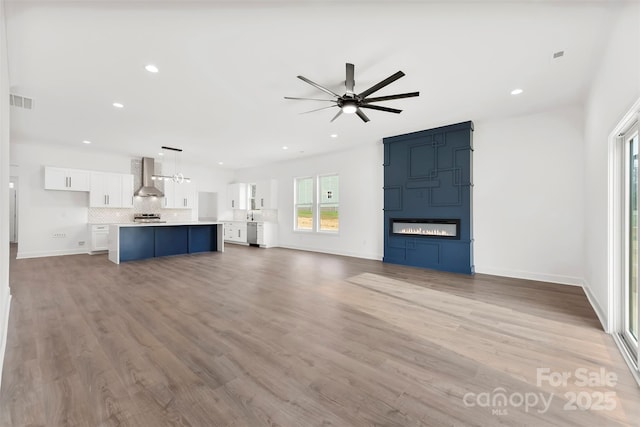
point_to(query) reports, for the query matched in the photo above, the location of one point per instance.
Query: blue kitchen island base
(129, 242)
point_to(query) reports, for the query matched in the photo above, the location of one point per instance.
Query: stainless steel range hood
(148, 188)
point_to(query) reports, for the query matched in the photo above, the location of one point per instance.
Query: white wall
(44, 212)
(361, 217)
(614, 90)
(528, 196)
(528, 185)
(5, 296)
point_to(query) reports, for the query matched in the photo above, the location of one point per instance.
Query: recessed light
(151, 68)
(86, 141)
(221, 163)
(118, 105)
(285, 147)
(516, 91)
(334, 135)
(160, 154)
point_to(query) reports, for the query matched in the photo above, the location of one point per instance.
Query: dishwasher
(252, 233)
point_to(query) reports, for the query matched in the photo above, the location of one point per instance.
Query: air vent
(558, 54)
(21, 101)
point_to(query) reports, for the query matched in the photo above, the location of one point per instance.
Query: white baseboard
(331, 252)
(42, 254)
(604, 319)
(528, 275)
(4, 323)
(554, 278)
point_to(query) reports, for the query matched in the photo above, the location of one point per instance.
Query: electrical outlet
(81, 243)
(59, 235)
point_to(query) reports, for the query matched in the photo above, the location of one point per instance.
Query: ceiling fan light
(349, 108)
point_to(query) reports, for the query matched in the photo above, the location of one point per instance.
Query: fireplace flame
(425, 231)
(426, 228)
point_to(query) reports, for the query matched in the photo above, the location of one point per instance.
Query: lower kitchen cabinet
(171, 240)
(235, 232)
(267, 234)
(137, 243)
(99, 237)
(149, 242)
(203, 238)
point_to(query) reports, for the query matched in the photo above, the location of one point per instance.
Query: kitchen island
(135, 241)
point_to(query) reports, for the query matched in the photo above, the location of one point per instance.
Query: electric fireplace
(427, 227)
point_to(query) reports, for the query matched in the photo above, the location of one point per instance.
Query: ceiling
(226, 66)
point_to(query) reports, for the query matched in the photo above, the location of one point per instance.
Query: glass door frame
(624, 301)
(616, 321)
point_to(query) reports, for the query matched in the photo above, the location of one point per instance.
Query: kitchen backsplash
(267, 215)
(109, 216)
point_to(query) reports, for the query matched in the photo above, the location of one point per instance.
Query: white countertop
(165, 224)
(248, 220)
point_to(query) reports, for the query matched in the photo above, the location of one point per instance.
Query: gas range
(147, 218)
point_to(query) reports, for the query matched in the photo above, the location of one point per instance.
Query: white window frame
(296, 205)
(319, 204)
(315, 204)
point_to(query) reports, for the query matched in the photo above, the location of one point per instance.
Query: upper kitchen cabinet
(111, 190)
(237, 196)
(179, 195)
(127, 191)
(66, 179)
(267, 194)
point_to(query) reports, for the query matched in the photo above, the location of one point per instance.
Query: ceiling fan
(352, 102)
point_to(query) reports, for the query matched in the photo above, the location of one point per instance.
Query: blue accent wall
(428, 174)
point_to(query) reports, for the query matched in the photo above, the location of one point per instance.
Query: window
(304, 204)
(251, 190)
(317, 203)
(328, 203)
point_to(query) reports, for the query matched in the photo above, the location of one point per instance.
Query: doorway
(13, 209)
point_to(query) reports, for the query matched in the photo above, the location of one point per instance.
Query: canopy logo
(499, 400)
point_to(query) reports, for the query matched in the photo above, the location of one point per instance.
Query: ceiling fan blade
(336, 116)
(382, 84)
(322, 88)
(349, 83)
(362, 115)
(310, 99)
(318, 109)
(387, 98)
(377, 107)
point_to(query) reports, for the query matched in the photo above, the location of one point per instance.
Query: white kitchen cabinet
(99, 237)
(267, 234)
(66, 179)
(267, 194)
(127, 191)
(237, 196)
(178, 196)
(235, 232)
(111, 190)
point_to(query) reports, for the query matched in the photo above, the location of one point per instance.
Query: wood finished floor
(254, 337)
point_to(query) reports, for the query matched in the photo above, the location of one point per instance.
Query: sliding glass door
(629, 300)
